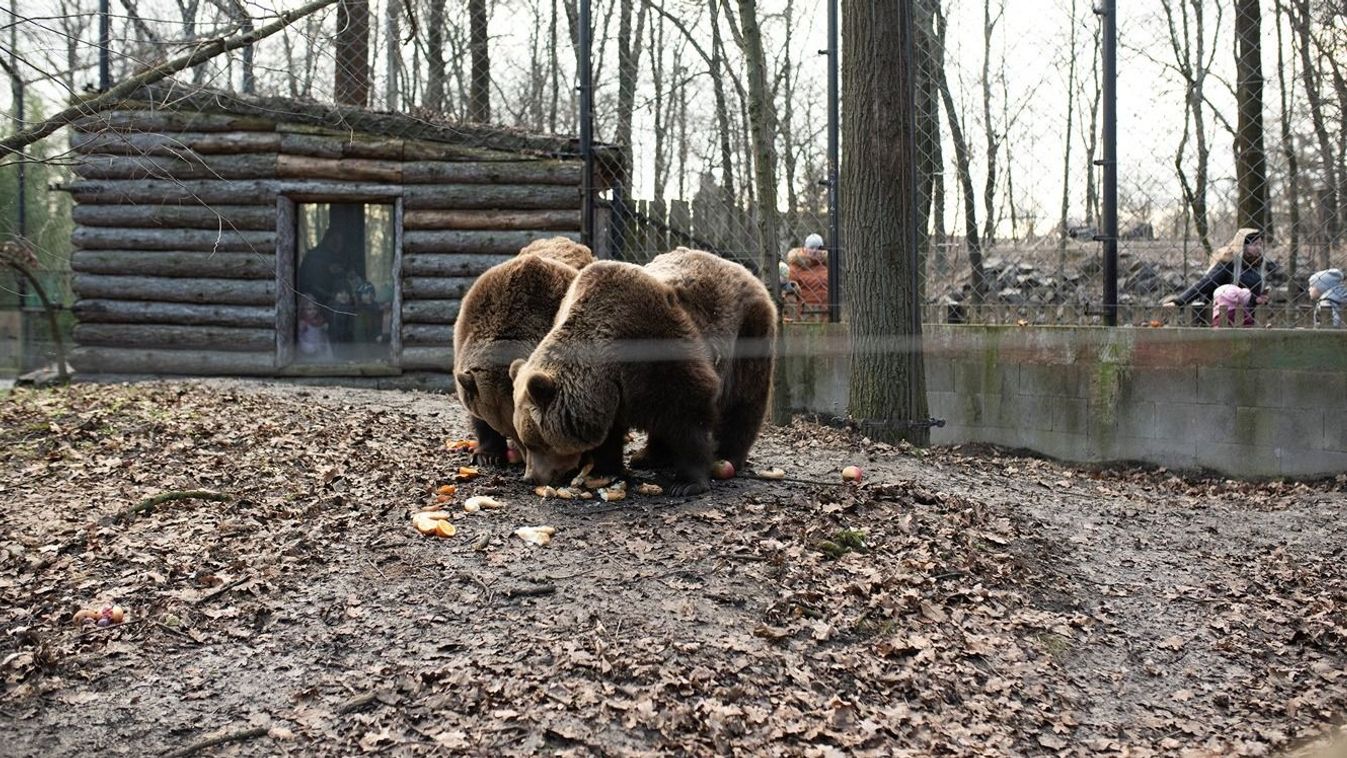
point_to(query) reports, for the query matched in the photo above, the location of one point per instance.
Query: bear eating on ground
(504, 315)
(630, 349)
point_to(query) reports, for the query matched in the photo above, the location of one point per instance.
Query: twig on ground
(534, 591)
(219, 739)
(176, 633)
(358, 702)
(220, 590)
(165, 497)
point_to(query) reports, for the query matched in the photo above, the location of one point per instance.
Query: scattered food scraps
(649, 489)
(446, 489)
(480, 502)
(772, 473)
(467, 473)
(851, 474)
(537, 535)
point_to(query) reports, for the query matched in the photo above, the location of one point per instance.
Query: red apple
(851, 474)
(722, 470)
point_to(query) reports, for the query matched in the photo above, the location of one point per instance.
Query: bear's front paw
(697, 487)
(488, 458)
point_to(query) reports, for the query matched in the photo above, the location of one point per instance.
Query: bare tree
(877, 176)
(1329, 197)
(1066, 149)
(962, 161)
(1188, 41)
(762, 114)
(989, 22)
(628, 70)
(435, 70)
(351, 64)
(1288, 151)
(393, 35)
(1250, 160)
(1092, 135)
(479, 109)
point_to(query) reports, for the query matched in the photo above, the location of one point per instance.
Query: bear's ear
(542, 388)
(514, 367)
(469, 384)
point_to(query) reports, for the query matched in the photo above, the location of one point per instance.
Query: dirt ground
(964, 602)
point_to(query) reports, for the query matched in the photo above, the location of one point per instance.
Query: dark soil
(956, 602)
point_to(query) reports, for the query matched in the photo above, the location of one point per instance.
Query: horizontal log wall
(175, 261)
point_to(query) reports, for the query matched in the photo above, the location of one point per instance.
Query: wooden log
(435, 288)
(173, 121)
(259, 166)
(176, 263)
(488, 243)
(227, 338)
(438, 264)
(565, 220)
(349, 145)
(426, 150)
(430, 311)
(427, 359)
(237, 192)
(174, 143)
(118, 360)
(165, 289)
(142, 312)
(352, 169)
(243, 217)
(492, 197)
(493, 172)
(428, 335)
(113, 238)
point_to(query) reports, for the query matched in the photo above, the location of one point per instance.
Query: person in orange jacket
(808, 268)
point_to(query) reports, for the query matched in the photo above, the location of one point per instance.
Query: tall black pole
(586, 128)
(104, 42)
(834, 215)
(1109, 234)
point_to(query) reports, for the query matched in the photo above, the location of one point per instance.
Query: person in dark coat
(1241, 263)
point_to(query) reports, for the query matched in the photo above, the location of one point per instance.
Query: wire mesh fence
(1008, 107)
(1210, 142)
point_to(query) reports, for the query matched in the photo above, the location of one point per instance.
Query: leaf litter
(961, 601)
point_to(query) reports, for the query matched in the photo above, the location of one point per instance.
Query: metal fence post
(834, 220)
(1109, 234)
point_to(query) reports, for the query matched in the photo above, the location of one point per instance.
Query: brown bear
(504, 315)
(736, 317)
(674, 349)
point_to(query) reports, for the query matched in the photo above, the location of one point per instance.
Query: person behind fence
(1240, 263)
(1330, 292)
(808, 268)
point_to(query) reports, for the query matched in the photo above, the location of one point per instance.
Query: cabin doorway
(344, 291)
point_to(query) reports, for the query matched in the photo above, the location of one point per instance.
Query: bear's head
(560, 413)
(488, 395)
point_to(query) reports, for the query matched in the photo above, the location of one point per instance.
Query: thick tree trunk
(434, 99)
(351, 56)
(877, 174)
(480, 87)
(1250, 160)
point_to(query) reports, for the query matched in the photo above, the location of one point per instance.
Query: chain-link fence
(1227, 119)
(1009, 108)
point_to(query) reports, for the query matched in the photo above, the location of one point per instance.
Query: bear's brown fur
(504, 315)
(667, 349)
(736, 317)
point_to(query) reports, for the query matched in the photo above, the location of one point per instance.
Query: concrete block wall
(1252, 403)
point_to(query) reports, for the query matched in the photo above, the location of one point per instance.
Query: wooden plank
(430, 311)
(551, 220)
(112, 238)
(165, 289)
(176, 263)
(428, 335)
(435, 288)
(350, 169)
(244, 217)
(492, 197)
(428, 359)
(395, 319)
(442, 264)
(260, 166)
(476, 242)
(227, 338)
(172, 121)
(174, 143)
(142, 312)
(493, 172)
(211, 191)
(285, 259)
(117, 360)
(349, 145)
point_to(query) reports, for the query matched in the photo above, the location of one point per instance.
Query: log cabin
(218, 234)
